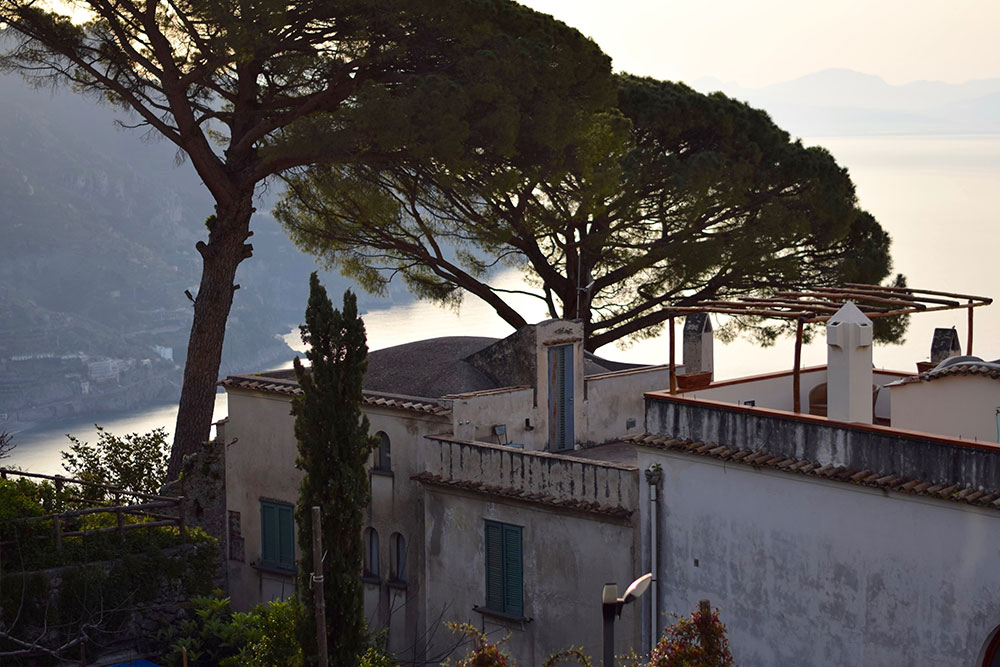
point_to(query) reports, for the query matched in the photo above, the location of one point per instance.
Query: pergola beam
(819, 304)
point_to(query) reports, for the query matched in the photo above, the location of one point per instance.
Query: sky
(759, 42)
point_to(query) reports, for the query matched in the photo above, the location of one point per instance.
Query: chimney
(849, 365)
(944, 345)
(697, 342)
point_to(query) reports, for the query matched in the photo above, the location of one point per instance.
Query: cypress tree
(334, 445)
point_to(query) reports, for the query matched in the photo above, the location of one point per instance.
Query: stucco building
(516, 477)
(869, 538)
(492, 501)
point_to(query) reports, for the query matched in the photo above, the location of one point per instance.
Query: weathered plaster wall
(557, 476)
(614, 404)
(605, 410)
(959, 406)
(811, 572)
(261, 464)
(474, 415)
(816, 439)
(567, 559)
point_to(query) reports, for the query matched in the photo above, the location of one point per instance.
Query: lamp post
(611, 607)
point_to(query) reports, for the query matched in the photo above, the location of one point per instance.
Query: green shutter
(513, 571)
(269, 544)
(286, 536)
(277, 535)
(494, 566)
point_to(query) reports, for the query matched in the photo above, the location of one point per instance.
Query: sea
(935, 195)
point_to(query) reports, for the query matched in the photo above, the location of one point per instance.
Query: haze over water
(934, 195)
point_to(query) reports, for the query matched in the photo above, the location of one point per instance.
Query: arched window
(371, 553)
(382, 453)
(398, 557)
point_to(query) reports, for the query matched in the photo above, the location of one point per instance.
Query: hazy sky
(758, 42)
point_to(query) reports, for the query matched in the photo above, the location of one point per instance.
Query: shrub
(695, 641)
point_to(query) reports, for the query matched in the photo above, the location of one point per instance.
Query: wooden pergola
(819, 304)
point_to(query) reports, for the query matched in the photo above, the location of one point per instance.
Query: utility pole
(319, 601)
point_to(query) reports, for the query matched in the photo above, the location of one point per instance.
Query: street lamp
(611, 605)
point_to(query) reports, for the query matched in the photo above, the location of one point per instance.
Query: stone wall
(856, 446)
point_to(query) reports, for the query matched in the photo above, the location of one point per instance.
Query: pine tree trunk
(222, 255)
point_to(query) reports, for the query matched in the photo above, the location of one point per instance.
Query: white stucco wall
(567, 559)
(474, 415)
(961, 406)
(810, 572)
(773, 391)
(614, 404)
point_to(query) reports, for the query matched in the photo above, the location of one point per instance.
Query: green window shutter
(513, 571)
(277, 535)
(494, 566)
(269, 545)
(286, 536)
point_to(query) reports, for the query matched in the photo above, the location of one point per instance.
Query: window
(371, 554)
(277, 536)
(504, 569)
(398, 565)
(382, 453)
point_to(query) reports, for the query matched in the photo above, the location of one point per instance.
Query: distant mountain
(839, 102)
(98, 226)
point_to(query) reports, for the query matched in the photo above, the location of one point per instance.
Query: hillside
(99, 225)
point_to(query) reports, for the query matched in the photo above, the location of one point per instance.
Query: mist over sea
(935, 195)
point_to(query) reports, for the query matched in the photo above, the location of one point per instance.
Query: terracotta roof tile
(971, 368)
(764, 459)
(291, 388)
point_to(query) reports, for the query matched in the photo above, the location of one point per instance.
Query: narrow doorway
(561, 397)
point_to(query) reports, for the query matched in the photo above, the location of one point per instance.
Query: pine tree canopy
(669, 198)
(249, 89)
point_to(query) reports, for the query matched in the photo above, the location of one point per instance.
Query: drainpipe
(653, 477)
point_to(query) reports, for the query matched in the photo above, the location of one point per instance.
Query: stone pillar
(849, 366)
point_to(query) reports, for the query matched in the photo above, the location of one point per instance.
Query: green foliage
(132, 462)
(483, 652)
(334, 446)
(214, 635)
(573, 654)
(671, 198)
(695, 641)
(100, 595)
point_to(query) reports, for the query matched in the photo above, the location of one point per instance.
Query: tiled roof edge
(617, 511)
(291, 388)
(763, 459)
(948, 371)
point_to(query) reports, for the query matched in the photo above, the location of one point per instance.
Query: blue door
(561, 397)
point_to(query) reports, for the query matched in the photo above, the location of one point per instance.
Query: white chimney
(698, 339)
(849, 366)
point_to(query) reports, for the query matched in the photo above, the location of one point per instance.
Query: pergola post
(673, 366)
(796, 371)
